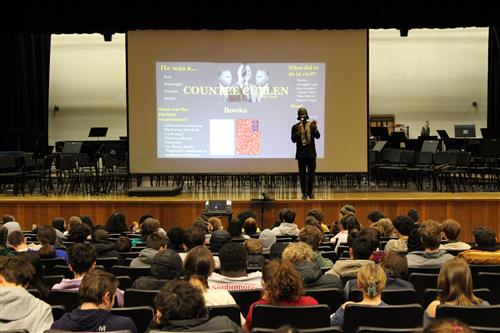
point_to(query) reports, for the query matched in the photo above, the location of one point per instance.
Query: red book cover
(247, 137)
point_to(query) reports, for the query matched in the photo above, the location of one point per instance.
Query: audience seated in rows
(165, 265)
(432, 256)
(371, 281)
(454, 288)
(313, 237)
(82, 259)
(302, 256)
(97, 296)
(395, 267)
(233, 264)
(18, 308)
(282, 286)
(287, 227)
(451, 231)
(155, 242)
(485, 252)
(181, 307)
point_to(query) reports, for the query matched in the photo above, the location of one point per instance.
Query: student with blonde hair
(371, 281)
(455, 287)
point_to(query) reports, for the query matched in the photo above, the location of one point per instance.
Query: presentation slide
(225, 101)
(234, 110)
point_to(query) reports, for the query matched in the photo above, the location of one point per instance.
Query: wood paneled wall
(470, 213)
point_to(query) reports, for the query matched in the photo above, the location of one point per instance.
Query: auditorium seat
(487, 316)
(272, 316)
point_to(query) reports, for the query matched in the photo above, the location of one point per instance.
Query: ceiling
(110, 16)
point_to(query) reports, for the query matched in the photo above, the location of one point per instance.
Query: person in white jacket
(18, 308)
(288, 227)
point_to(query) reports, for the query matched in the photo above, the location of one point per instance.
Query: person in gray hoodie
(432, 256)
(18, 308)
(166, 265)
(155, 242)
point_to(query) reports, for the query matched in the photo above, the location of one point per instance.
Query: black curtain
(494, 78)
(24, 96)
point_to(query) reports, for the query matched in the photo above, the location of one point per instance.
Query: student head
(384, 226)
(116, 223)
(99, 288)
(371, 280)
(167, 264)
(17, 240)
(193, 236)
(59, 223)
(298, 252)
(395, 265)
(234, 228)
(347, 210)
(7, 218)
(261, 77)
(179, 300)
(15, 271)
(362, 247)
(430, 234)
(47, 237)
(79, 232)
(313, 222)
(176, 239)
(73, 220)
(375, 215)
(88, 221)
(123, 244)
(267, 238)
(218, 239)
(149, 226)
(447, 325)
(233, 259)
(156, 241)
(288, 215)
(455, 283)
(225, 77)
(81, 258)
(484, 237)
(413, 214)
(281, 281)
(199, 264)
(403, 224)
(317, 214)
(253, 246)
(216, 223)
(100, 236)
(250, 226)
(451, 229)
(311, 236)
(350, 223)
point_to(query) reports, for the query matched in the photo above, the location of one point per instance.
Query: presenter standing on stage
(303, 135)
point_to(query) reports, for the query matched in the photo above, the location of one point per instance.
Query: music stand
(97, 132)
(429, 146)
(72, 147)
(443, 135)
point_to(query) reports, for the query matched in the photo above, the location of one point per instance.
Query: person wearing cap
(166, 265)
(303, 135)
(346, 210)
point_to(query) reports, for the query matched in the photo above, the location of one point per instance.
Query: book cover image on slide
(247, 137)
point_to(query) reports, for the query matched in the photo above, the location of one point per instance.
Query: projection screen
(225, 101)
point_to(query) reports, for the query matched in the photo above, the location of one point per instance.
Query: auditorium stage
(470, 209)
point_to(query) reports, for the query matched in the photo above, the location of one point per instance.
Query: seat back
(133, 272)
(422, 281)
(49, 263)
(245, 298)
(108, 263)
(232, 311)
(329, 329)
(432, 294)
(124, 282)
(492, 282)
(369, 329)
(64, 297)
(332, 297)
(488, 316)
(392, 316)
(140, 315)
(272, 316)
(136, 297)
(51, 280)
